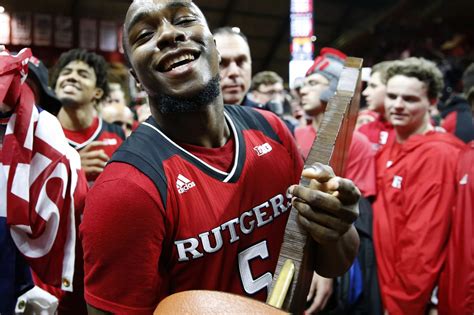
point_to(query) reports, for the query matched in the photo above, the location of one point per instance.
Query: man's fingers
(321, 234)
(92, 145)
(99, 154)
(322, 173)
(94, 163)
(314, 307)
(312, 289)
(321, 218)
(325, 202)
(344, 189)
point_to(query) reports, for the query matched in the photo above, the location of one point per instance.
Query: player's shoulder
(118, 178)
(441, 143)
(247, 113)
(249, 118)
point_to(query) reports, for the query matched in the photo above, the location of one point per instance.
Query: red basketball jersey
(163, 219)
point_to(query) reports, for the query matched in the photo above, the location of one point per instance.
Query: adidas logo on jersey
(263, 149)
(183, 184)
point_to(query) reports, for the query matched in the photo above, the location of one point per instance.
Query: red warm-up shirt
(456, 287)
(412, 215)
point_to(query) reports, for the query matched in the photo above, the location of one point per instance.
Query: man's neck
(206, 128)
(403, 135)
(317, 121)
(76, 118)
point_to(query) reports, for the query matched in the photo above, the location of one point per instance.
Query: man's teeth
(181, 58)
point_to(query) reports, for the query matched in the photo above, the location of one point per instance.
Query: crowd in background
(411, 156)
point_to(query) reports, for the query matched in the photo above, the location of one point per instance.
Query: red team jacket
(456, 287)
(163, 218)
(412, 217)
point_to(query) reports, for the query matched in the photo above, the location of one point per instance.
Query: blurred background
(374, 29)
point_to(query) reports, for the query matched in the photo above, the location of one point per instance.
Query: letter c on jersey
(251, 285)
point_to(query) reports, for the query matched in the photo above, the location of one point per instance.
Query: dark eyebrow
(171, 5)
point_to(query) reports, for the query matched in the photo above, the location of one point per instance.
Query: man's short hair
(424, 70)
(94, 61)
(227, 30)
(266, 78)
(381, 68)
(468, 83)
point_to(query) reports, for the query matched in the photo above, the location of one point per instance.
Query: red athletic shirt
(378, 132)
(456, 287)
(412, 215)
(360, 166)
(110, 134)
(215, 227)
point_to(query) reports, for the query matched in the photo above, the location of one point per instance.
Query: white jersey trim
(236, 153)
(79, 146)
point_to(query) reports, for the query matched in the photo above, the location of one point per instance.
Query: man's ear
(98, 93)
(134, 75)
(219, 58)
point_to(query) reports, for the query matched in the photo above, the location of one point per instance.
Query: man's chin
(68, 102)
(233, 99)
(169, 104)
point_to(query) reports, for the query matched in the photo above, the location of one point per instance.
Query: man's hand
(93, 161)
(319, 293)
(328, 207)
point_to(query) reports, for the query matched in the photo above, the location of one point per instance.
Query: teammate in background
(79, 79)
(416, 189)
(379, 130)
(200, 189)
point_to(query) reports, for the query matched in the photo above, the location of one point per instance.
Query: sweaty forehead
(141, 8)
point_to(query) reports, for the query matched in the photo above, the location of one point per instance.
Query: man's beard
(171, 104)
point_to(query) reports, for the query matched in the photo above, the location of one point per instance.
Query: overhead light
(2, 9)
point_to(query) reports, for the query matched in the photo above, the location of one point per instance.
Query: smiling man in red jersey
(199, 195)
(416, 190)
(79, 80)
